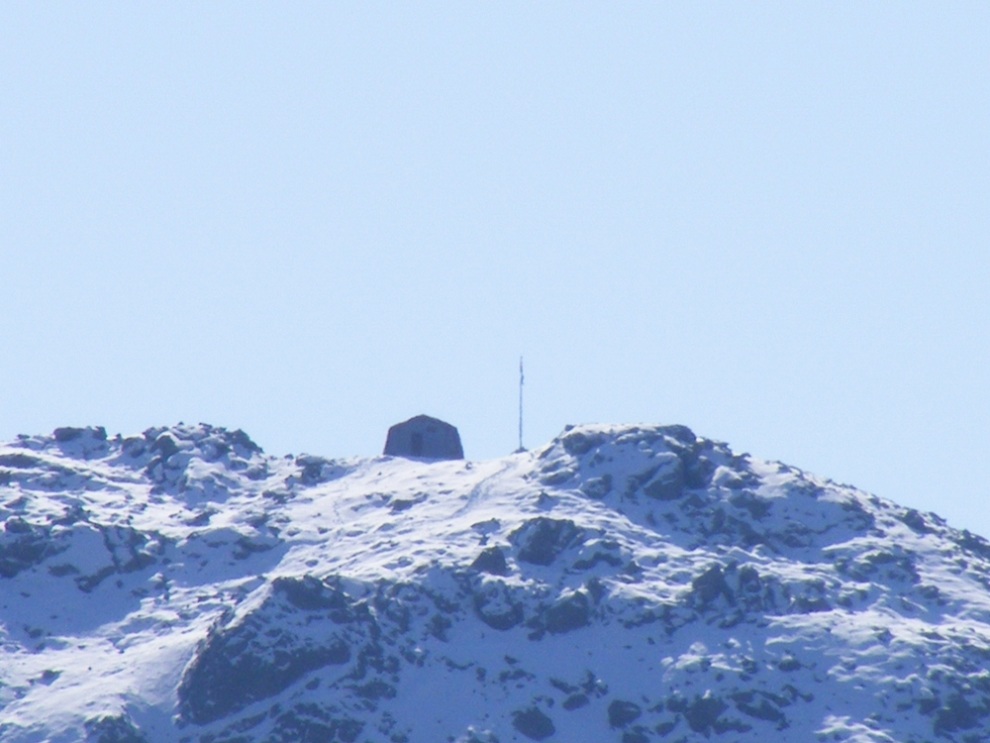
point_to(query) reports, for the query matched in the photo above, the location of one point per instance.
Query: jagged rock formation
(624, 584)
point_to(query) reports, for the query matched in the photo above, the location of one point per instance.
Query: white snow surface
(621, 583)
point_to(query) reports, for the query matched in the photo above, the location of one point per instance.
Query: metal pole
(520, 405)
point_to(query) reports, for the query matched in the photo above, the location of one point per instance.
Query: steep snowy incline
(623, 583)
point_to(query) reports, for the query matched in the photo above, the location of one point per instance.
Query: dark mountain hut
(424, 437)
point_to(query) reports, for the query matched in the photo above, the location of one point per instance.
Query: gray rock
(113, 729)
(541, 540)
(621, 713)
(264, 654)
(496, 606)
(569, 613)
(491, 561)
(533, 724)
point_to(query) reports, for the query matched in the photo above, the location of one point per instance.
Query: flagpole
(520, 405)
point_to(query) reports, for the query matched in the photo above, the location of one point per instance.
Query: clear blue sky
(767, 221)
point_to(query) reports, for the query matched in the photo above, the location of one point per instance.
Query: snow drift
(622, 583)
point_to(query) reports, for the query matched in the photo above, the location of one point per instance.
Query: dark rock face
(669, 485)
(424, 437)
(705, 714)
(622, 713)
(568, 614)
(230, 673)
(310, 594)
(541, 540)
(113, 730)
(498, 606)
(762, 706)
(312, 723)
(316, 470)
(19, 461)
(632, 584)
(334, 657)
(533, 723)
(270, 650)
(51, 548)
(961, 712)
(711, 585)
(491, 561)
(24, 545)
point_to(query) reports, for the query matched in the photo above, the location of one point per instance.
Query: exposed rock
(541, 540)
(668, 482)
(491, 561)
(711, 586)
(113, 730)
(533, 723)
(317, 470)
(263, 654)
(312, 723)
(623, 583)
(621, 713)
(24, 545)
(567, 614)
(68, 433)
(497, 606)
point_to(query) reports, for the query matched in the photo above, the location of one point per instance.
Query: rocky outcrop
(623, 583)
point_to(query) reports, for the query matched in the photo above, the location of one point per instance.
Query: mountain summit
(621, 583)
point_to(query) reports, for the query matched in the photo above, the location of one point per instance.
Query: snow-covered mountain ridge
(622, 583)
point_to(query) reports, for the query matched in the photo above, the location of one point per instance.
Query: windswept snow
(626, 583)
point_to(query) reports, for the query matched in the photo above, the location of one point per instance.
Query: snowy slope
(620, 584)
